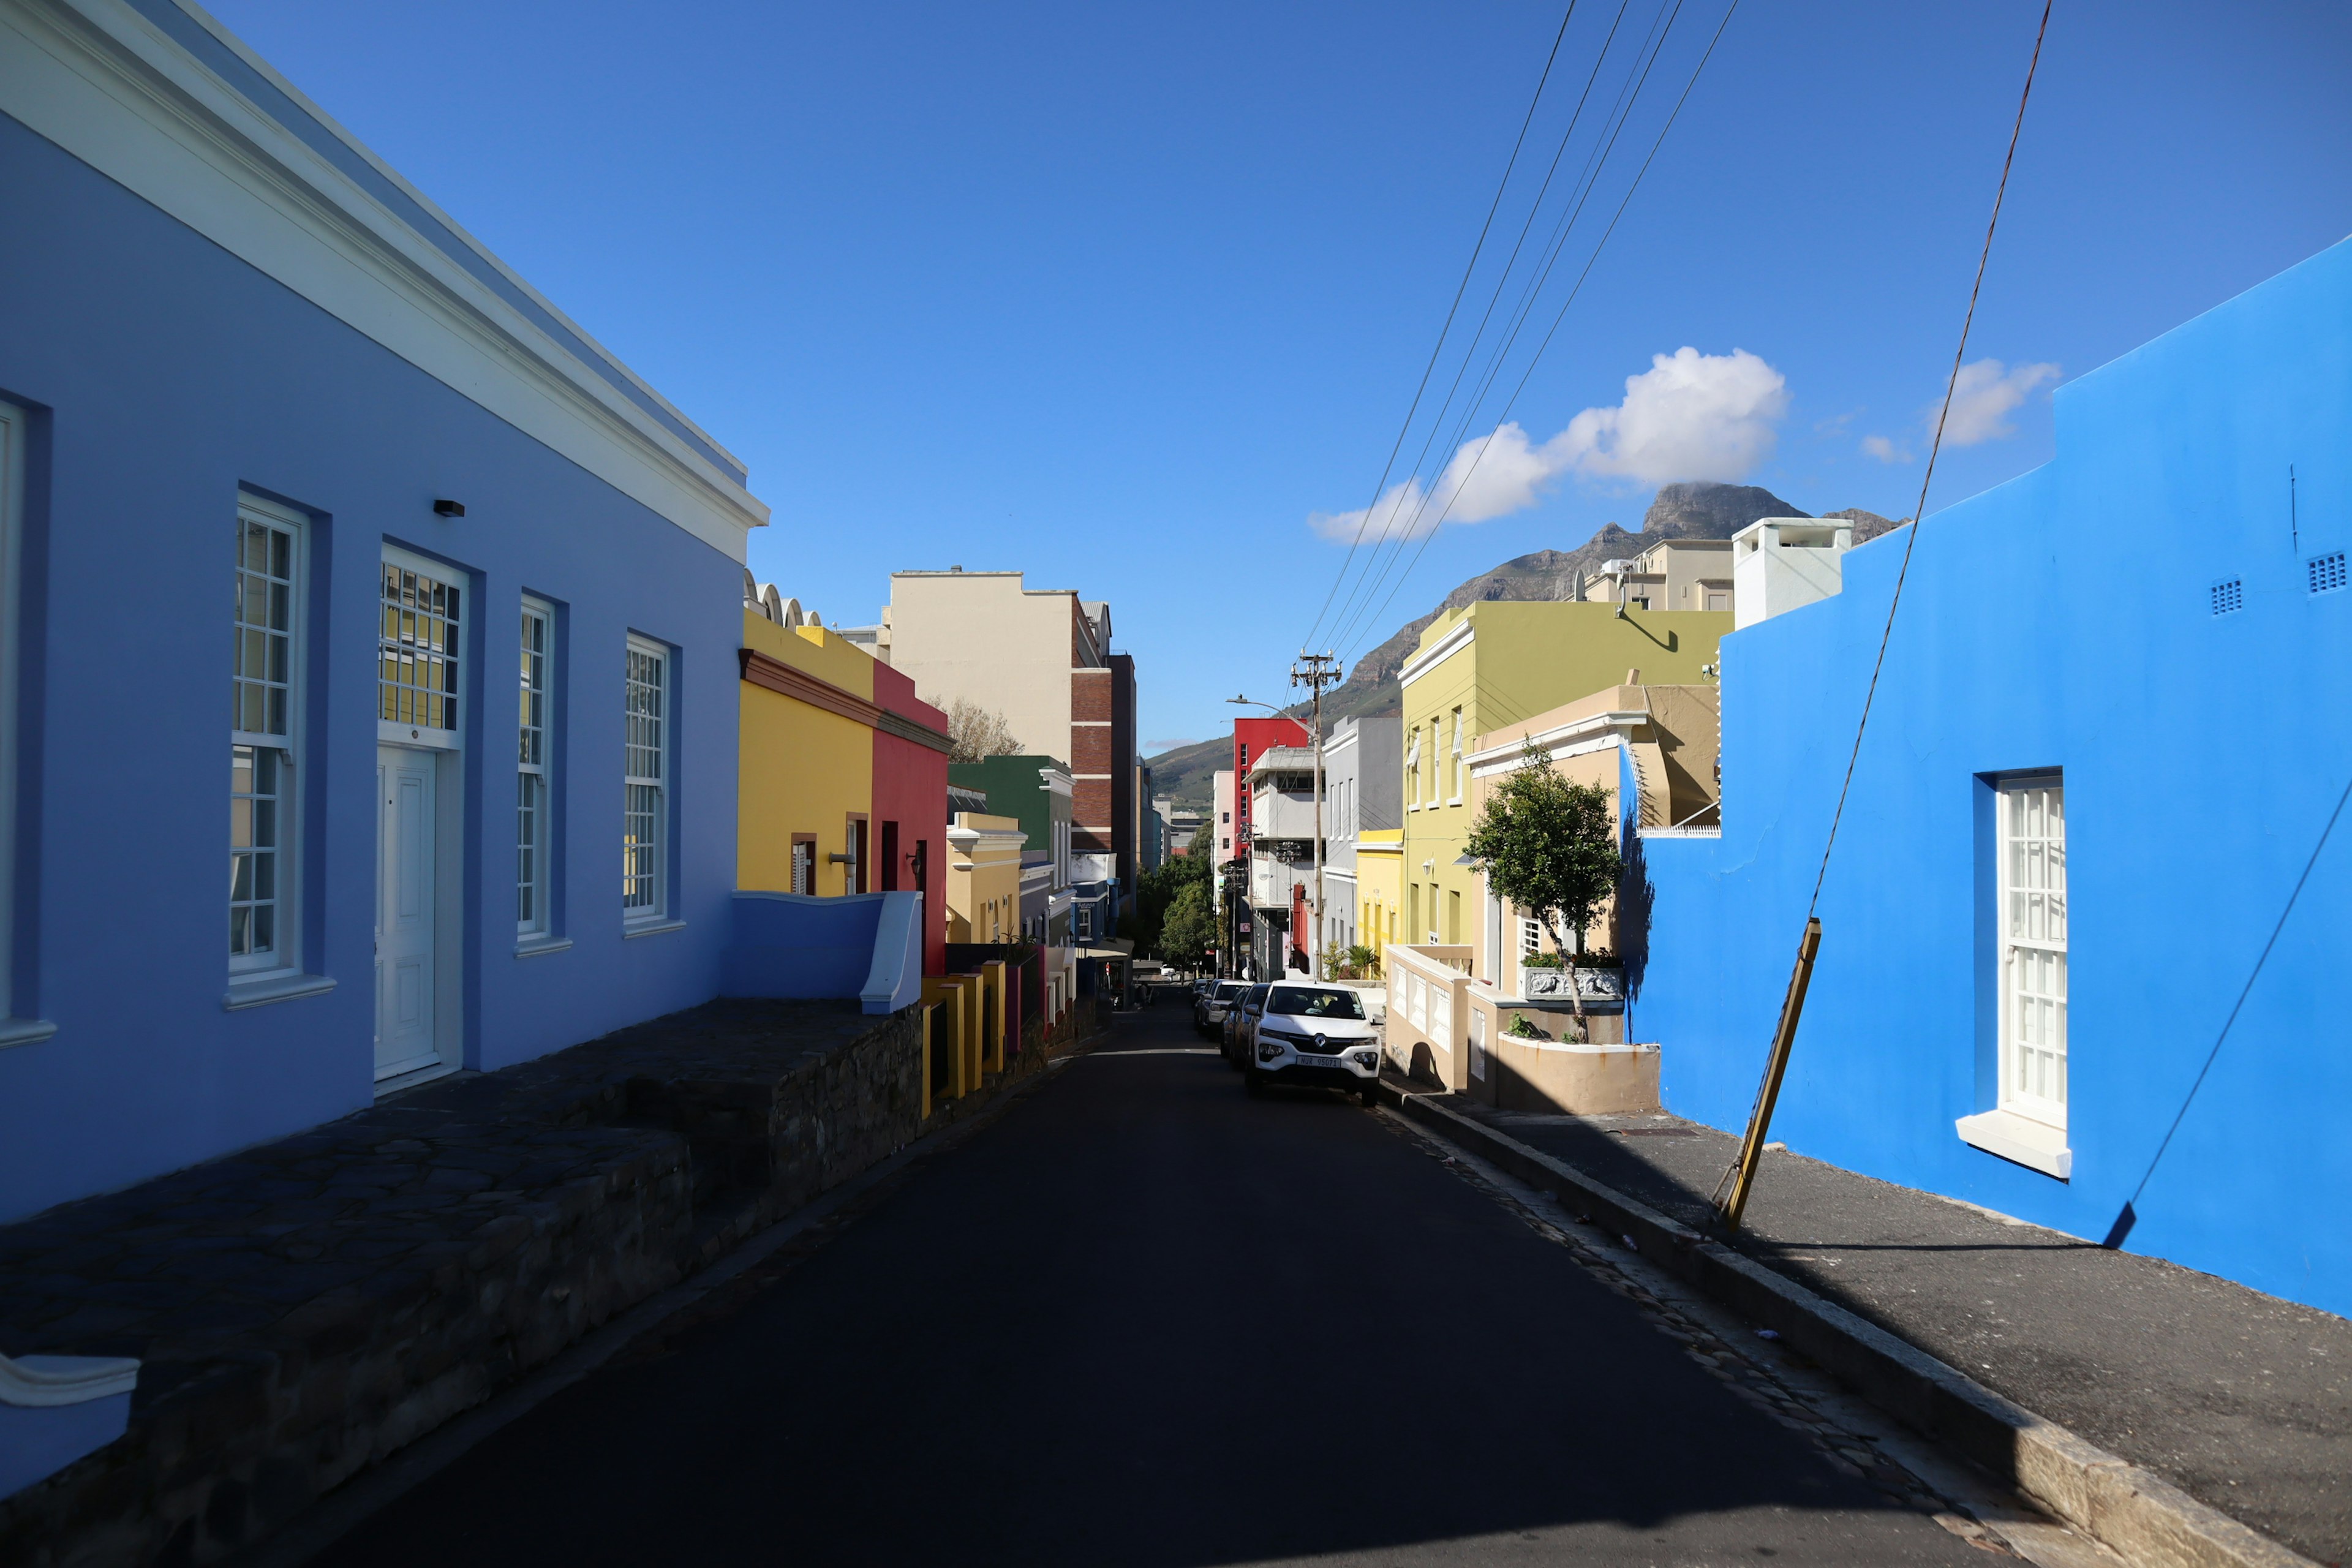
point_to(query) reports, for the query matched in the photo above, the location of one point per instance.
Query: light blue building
(284, 446)
(2115, 721)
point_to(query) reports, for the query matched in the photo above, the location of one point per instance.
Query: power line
(1534, 209)
(1741, 1173)
(1562, 314)
(1399, 539)
(1919, 511)
(1460, 289)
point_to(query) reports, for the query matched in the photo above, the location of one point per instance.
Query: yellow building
(806, 783)
(1379, 886)
(984, 878)
(1497, 663)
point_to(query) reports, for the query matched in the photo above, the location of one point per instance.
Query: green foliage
(1190, 930)
(1157, 891)
(1521, 1029)
(1550, 847)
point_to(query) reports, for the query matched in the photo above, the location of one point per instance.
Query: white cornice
(1594, 732)
(112, 88)
(1437, 653)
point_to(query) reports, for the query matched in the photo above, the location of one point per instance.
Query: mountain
(1678, 511)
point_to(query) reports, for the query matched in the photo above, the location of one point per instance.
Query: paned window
(263, 713)
(2032, 914)
(532, 817)
(804, 866)
(416, 650)
(1530, 937)
(12, 502)
(645, 824)
(1454, 761)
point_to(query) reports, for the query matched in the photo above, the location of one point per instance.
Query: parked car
(1209, 1005)
(1239, 1013)
(1315, 1035)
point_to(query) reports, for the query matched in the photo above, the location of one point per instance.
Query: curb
(2144, 1519)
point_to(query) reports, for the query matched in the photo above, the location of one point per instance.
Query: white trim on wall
(107, 85)
(14, 1030)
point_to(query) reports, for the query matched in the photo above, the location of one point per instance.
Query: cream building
(984, 878)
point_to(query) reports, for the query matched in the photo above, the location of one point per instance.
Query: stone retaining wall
(308, 1307)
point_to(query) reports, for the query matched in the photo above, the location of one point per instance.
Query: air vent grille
(2229, 595)
(2327, 573)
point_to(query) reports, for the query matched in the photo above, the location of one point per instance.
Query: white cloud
(1884, 450)
(1983, 396)
(1689, 416)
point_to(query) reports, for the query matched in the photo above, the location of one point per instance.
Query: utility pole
(1314, 671)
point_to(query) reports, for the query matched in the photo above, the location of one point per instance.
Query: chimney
(1633, 678)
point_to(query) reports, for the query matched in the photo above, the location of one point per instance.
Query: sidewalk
(2240, 1399)
(308, 1307)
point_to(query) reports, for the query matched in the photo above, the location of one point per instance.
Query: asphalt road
(1144, 1319)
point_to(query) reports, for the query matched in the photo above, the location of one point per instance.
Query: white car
(1209, 1006)
(1316, 1037)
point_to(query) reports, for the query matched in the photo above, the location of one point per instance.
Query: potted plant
(1549, 845)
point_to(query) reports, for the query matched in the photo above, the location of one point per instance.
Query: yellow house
(1497, 663)
(984, 878)
(1664, 739)
(1380, 884)
(806, 772)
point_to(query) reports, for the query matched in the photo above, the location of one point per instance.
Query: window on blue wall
(2327, 573)
(533, 811)
(265, 723)
(2229, 595)
(645, 824)
(2032, 882)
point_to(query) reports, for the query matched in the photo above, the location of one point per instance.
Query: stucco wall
(1523, 659)
(2203, 756)
(804, 769)
(166, 374)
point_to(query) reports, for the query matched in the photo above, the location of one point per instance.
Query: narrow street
(1144, 1319)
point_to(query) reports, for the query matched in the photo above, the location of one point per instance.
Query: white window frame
(1453, 764)
(534, 770)
(656, 847)
(2032, 959)
(284, 956)
(14, 1030)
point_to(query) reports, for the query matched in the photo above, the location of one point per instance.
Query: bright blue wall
(171, 373)
(2064, 620)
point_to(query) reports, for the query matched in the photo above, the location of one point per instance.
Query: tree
(1550, 847)
(1157, 891)
(1191, 930)
(977, 733)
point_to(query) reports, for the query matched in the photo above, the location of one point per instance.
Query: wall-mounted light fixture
(448, 509)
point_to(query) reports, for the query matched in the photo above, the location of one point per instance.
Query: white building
(1779, 563)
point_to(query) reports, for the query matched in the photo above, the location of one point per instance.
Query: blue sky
(1125, 297)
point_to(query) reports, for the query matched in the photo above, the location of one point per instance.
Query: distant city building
(1361, 785)
(1042, 658)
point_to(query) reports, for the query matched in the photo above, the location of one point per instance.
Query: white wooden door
(405, 1039)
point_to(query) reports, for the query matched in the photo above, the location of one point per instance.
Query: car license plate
(1307, 1060)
